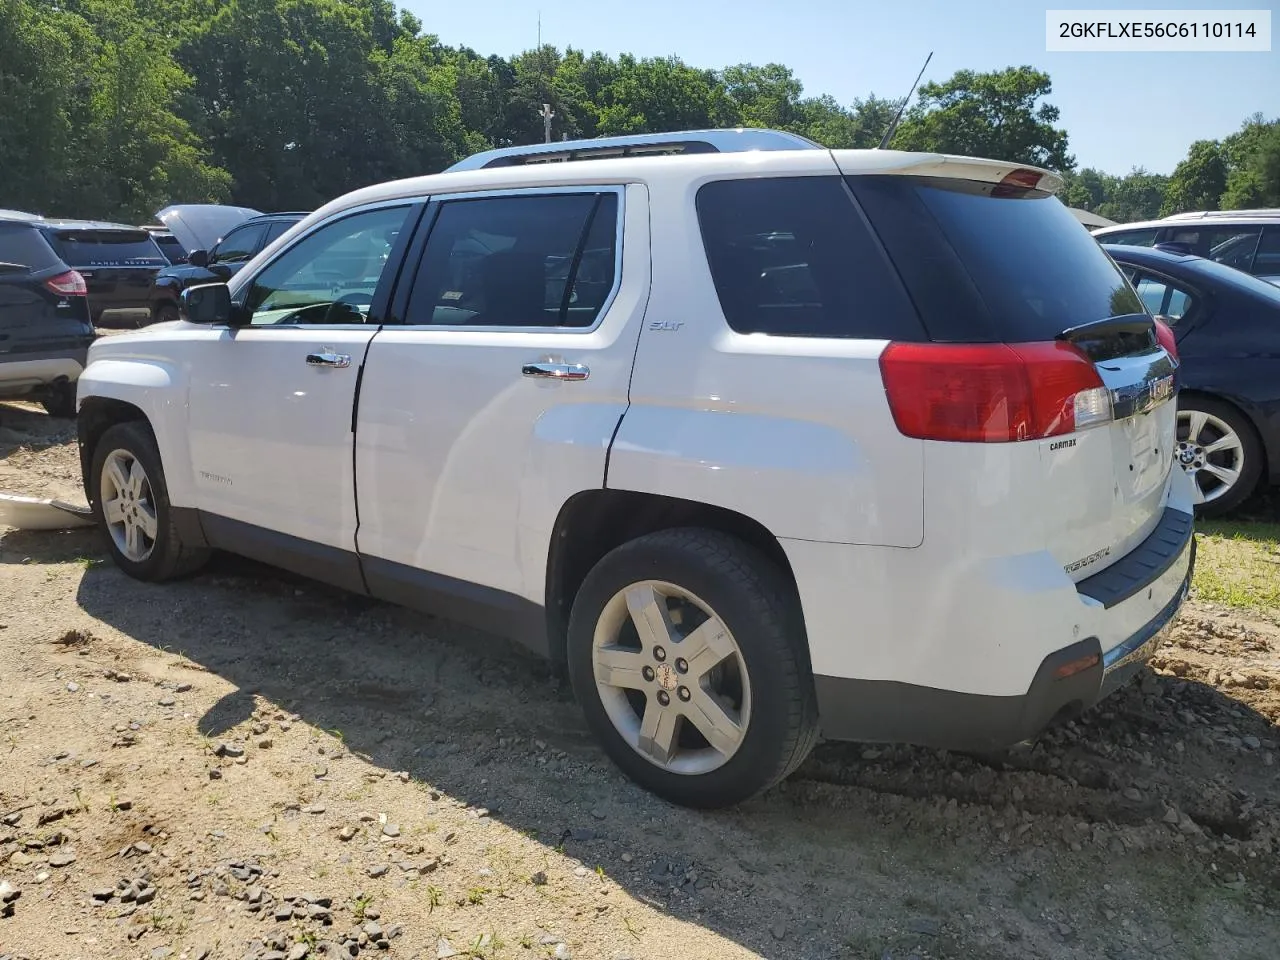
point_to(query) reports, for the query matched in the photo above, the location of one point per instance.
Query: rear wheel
(1218, 448)
(686, 651)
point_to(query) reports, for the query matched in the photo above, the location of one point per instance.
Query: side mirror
(198, 258)
(209, 303)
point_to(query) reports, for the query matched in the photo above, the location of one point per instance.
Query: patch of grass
(476, 895)
(1238, 564)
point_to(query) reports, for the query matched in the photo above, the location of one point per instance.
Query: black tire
(759, 606)
(1247, 483)
(164, 313)
(61, 401)
(171, 556)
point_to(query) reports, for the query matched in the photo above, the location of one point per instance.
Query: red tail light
(1164, 333)
(991, 392)
(69, 284)
(1016, 181)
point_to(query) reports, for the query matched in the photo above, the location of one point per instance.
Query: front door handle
(328, 360)
(556, 371)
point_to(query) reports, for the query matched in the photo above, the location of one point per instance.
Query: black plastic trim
(331, 565)
(484, 608)
(1143, 565)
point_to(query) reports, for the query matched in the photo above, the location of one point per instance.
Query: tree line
(115, 108)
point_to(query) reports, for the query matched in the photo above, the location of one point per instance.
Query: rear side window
(21, 246)
(986, 262)
(106, 248)
(791, 257)
(170, 247)
(1162, 298)
(1267, 262)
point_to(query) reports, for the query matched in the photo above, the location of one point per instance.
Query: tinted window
(520, 261)
(1266, 263)
(276, 229)
(791, 257)
(330, 275)
(1131, 238)
(240, 244)
(1163, 298)
(170, 247)
(989, 262)
(105, 248)
(25, 247)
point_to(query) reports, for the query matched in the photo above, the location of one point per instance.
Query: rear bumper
(28, 371)
(1069, 680)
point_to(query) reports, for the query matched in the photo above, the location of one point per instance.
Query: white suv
(760, 443)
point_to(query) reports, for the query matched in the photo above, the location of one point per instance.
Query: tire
(169, 556)
(1216, 420)
(61, 401)
(164, 313)
(766, 681)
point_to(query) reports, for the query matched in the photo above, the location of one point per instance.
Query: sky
(1120, 110)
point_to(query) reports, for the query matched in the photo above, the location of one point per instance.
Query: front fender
(157, 389)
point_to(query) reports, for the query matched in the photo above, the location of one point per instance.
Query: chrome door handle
(328, 360)
(556, 371)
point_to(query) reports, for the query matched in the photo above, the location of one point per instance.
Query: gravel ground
(247, 765)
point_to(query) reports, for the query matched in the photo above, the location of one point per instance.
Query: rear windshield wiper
(13, 267)
(1112, 337)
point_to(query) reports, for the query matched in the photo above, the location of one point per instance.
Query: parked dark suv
(218, 263)
(45, 325)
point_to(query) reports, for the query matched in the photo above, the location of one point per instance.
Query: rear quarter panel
(795, 433)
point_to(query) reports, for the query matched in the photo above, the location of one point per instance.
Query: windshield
(985, 261)
(105, 248)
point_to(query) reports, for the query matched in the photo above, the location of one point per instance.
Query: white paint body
(939, 564)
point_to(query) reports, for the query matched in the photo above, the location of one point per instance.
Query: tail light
(992, 392)
(1164, 333)
(1016, 181)
(69, 284)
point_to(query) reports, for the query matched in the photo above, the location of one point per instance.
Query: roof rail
(639, 144)
(1224, 214)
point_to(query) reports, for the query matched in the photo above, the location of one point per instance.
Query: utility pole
(546, 112)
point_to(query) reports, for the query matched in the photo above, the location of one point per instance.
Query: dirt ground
(247, 765)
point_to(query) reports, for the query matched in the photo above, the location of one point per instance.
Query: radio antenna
(888, 134)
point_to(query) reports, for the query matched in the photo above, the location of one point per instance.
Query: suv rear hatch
(118, 265)
(1036, 336)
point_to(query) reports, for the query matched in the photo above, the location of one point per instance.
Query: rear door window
(107, 248)
(1233, 246)
(791, 257)
(988, 262)
(518, 261)
(24, 249)
(1163, 298)
(1266, 263)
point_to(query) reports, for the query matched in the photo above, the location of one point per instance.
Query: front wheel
(131, 504)
(60, 401)
(1218, 448)
(164, 313)
(687, 653)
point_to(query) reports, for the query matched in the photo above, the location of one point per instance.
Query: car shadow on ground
(810, 865)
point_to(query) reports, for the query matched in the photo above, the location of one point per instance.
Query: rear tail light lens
(69, 284)
(992, 392)
(1164, 333)
(1016, 181)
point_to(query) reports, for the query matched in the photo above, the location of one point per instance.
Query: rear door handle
(556, 371)
(328, 360)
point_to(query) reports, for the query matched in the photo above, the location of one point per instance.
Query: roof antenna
(884, 142)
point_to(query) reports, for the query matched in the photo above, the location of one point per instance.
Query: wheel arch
(593, 522)
(97, 415)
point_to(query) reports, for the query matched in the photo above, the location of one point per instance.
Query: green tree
(997, 115)
(1253, 159)
(1198, 181)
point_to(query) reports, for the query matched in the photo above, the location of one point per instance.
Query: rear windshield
(986, 262)
(105, 248)
(22, 246)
